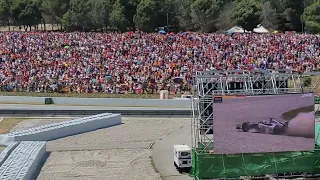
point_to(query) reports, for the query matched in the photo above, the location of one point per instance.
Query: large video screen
(270, 123)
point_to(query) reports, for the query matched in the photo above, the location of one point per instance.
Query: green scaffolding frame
(211, 166)
(216, 166)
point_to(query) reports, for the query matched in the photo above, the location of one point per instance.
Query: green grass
(8, 123)
(294, 112)
(85, 95)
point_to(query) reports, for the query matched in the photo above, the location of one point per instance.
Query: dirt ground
(120, 164)
(6, 124)
(35, 122)
(2, 148)
(120, 152)
(228, 140)
(10, 124)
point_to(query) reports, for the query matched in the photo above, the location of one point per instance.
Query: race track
(162, 153)
(228, 140)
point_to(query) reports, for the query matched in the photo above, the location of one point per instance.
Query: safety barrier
(6, 152)
(62, 129)
(139, 112)
(115, 102)
(24, 161)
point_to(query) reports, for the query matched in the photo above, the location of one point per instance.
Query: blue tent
(162, 32)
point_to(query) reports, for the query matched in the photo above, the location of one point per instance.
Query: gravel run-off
(2, 148)
(119, 152)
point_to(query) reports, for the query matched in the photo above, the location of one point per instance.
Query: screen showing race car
(270, 123)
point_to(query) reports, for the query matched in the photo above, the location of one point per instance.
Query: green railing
(316, 100)
(212, 166)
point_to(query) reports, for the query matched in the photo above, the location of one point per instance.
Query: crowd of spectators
(139, 62)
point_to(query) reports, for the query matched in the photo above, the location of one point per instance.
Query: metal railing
(142, 112)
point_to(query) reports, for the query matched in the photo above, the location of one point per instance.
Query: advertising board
(270, 123)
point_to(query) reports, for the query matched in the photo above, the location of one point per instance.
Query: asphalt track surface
(228, 140)
(162, 153)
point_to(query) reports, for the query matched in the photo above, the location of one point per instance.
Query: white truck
(182, 158)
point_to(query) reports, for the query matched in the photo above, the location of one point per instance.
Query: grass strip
(9, 123)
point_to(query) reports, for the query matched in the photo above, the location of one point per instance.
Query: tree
(203, 13)
(311, 17)
(289, 13)
(5, 14)
(269, 16)
(246, 13)
(98, 13)
(54, 10)
(184, 15)
(78, 17)
(26, 13)
(223, 21)
(130, 10)
(39, 15)
(31, 14)
(149, 15)
(67, 21)
(146, 16)
(167, 14)
(117, 17)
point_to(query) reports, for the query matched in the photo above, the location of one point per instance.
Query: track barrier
(53, 112)
(67, 128)
(24, 161)
(26, 149)
(7, 151)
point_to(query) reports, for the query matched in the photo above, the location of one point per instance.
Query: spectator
(139, 63)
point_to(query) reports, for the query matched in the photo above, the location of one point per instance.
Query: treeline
(173, 15)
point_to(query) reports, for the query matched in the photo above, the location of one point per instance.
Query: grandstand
(141, 62)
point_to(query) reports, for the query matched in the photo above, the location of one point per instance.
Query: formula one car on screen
(270, 126)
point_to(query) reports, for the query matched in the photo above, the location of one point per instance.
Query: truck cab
(182, 158)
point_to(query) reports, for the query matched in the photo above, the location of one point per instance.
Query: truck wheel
(174, 163)
(180, 170)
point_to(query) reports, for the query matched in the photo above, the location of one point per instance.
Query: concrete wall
(58, 130)
(26, 149)
(117, 102)
(24, 161)
(7, 151)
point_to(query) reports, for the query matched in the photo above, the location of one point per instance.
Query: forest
(173, 15)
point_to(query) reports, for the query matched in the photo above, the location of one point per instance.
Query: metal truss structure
(234, 83)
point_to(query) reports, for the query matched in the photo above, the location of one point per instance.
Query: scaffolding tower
(234, 83)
